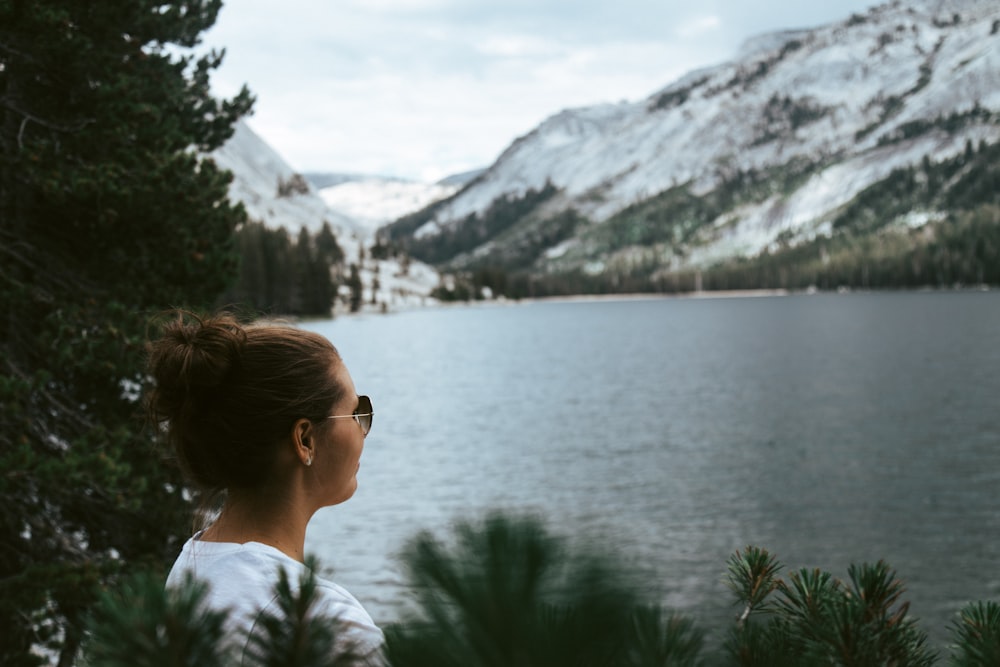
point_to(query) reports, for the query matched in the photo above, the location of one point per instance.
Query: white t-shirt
(242, 577)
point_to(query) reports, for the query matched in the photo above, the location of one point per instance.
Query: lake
(829, 429)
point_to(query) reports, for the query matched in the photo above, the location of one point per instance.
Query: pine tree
(108, 212)
(309, 285)
(327, 247)
(313, 266)
(354, 283)
(812, 618)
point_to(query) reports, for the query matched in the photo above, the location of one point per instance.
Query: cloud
(518, 46)
(698, 26)
(398, 5)
(450, 121)
(414, 87)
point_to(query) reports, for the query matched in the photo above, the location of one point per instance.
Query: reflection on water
(828, 429)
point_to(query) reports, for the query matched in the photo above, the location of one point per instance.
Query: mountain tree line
(280, 276)
(953, 252)
(961, 250)
(868, 248)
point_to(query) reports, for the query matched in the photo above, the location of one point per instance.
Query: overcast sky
(426, 88)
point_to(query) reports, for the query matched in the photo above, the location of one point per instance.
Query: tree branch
(55, 127)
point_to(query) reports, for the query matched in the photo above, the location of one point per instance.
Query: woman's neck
(272, 519)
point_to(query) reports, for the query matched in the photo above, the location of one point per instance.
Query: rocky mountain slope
(271, 191)
(765, 152)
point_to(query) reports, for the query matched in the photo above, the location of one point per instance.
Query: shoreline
(430, 302)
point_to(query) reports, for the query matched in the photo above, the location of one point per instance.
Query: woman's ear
(303, 441)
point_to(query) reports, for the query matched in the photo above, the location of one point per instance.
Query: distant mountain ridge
(372, 201)
(765, 152)
(326, 179)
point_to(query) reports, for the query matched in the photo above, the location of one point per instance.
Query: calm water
(829, 429)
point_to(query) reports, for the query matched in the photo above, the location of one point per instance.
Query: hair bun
(193, 357)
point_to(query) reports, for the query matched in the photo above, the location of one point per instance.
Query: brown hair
(229, 393)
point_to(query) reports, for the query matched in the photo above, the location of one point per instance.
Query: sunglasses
(363, 414)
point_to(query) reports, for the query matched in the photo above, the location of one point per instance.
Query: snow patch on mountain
(374, 201)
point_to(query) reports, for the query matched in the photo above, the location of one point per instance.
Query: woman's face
(338, 454)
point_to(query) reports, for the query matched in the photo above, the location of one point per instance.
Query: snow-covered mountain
(275, 195)
(818, 114)
(271, 191)
(373, 201)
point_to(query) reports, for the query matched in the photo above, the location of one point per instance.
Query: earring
(309, 461)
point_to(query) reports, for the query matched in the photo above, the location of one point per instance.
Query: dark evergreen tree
(108, 211)
(252, 282)
(331, 256)
(305, 261)
(316, 285)
(281, 287)
(354, 283)
(327, 247)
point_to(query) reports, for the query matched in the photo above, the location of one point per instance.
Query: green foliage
(141, 624)
(658, 642)
(506, 592)
(107, 212)
(819, 620)
(977, 635)
(752, 575)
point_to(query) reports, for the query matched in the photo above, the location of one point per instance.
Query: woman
(266, 416)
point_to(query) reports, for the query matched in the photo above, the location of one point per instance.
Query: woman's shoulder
(336, 602)
(242, 579)
(215, 562)
(356, 637)
(244, 576)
